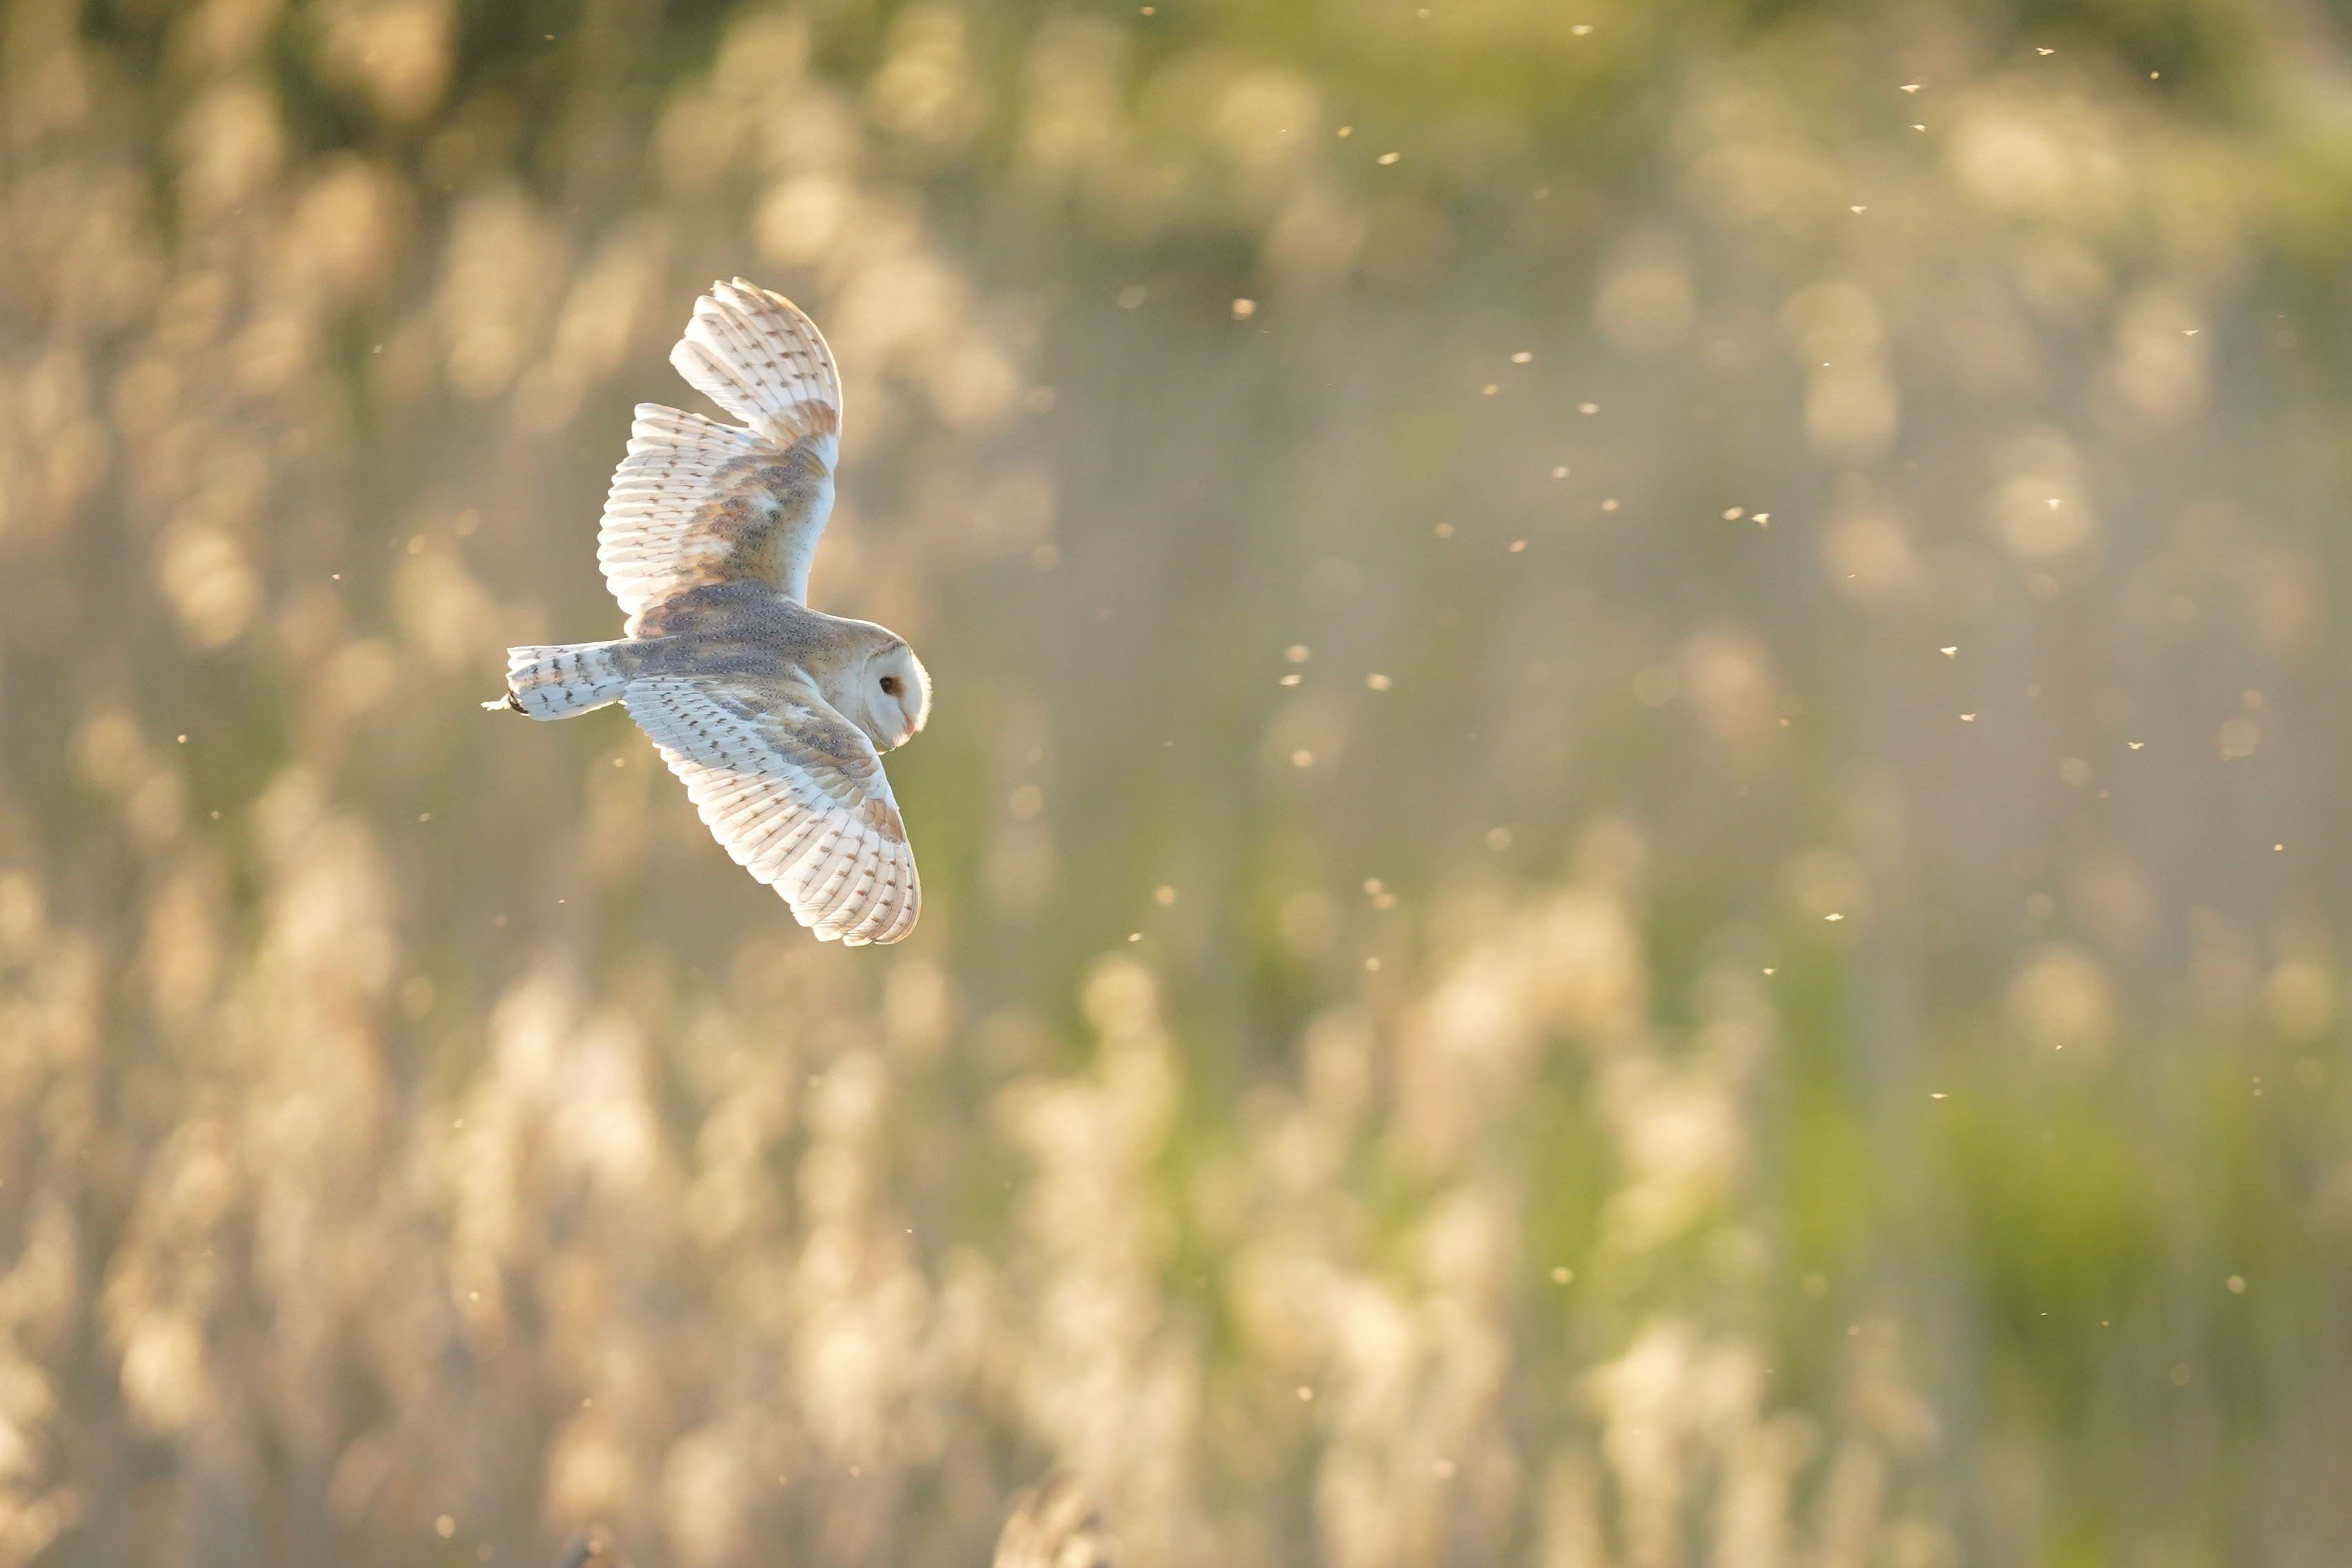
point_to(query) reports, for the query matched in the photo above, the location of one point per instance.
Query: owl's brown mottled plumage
(775, 714)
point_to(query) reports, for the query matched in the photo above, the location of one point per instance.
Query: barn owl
(775, 714)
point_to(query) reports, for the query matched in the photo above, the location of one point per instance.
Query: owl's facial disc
(894, 696)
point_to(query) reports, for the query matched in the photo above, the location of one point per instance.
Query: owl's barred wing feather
(659, 532)
(757, 356)
(795, 793)
(698, 502)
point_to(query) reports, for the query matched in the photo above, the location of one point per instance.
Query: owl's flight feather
(698, 502)
(795, 793)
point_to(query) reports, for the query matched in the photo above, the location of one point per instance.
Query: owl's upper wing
(795, 793)
(696, 501)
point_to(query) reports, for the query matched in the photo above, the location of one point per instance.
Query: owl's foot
(506, 701)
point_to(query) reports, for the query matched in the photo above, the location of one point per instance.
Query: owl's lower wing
(795, 793)
(698, 502)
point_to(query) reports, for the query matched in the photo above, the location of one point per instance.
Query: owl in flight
(776, 716)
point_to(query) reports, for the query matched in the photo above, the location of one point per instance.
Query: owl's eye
(890, 684)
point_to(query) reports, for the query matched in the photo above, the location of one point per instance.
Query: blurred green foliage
(1631, 831)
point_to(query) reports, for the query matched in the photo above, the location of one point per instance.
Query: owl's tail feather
(560, 681)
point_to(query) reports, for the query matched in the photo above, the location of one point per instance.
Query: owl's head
(891, 697)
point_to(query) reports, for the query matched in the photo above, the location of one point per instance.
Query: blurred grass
(1799, 1020)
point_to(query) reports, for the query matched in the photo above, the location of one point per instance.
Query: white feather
(821, 827)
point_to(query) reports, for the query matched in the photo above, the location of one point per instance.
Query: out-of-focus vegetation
(1635, 828)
